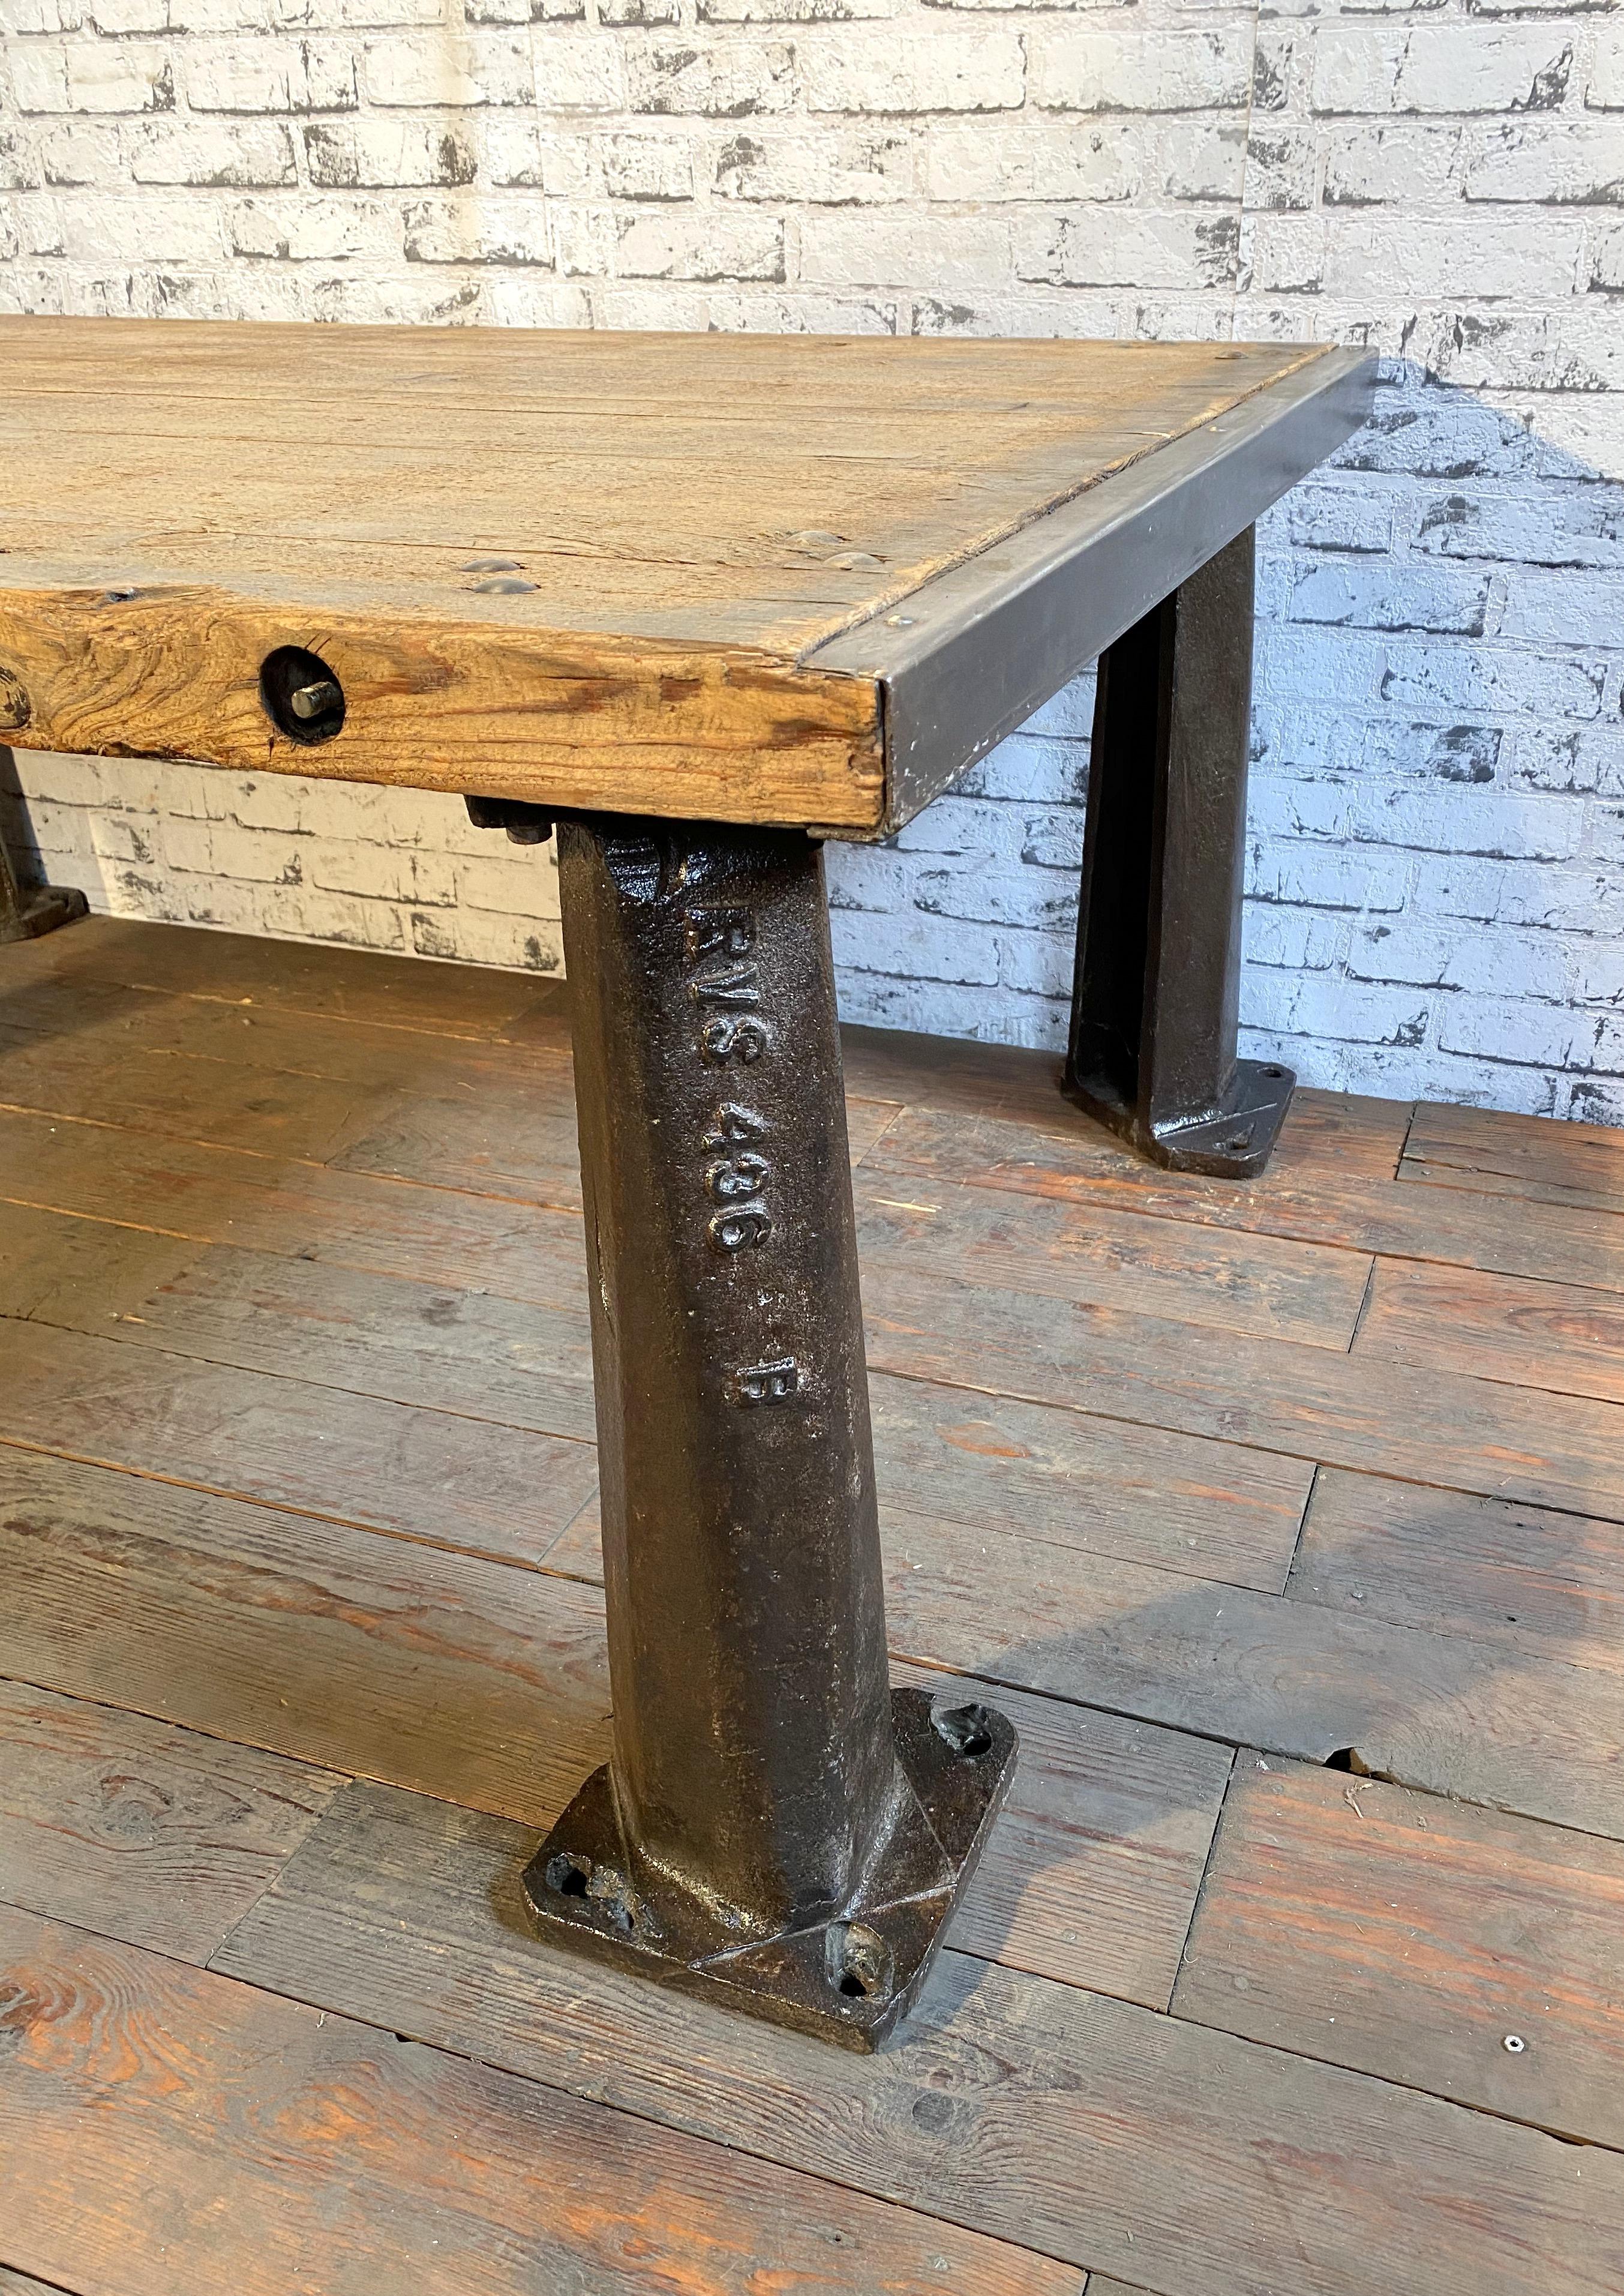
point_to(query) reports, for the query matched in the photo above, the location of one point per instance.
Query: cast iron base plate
(1233, 1144)
(44, 908)
(848, 1980)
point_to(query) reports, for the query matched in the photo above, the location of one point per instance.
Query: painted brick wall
(1437, 872)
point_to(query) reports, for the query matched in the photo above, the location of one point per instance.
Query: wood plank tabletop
(587, 569)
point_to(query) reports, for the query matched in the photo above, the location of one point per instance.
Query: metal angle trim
(985, 645)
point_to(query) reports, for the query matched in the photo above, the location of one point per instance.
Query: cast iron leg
(777, 1828)
(27, 911)
(1154, 1005)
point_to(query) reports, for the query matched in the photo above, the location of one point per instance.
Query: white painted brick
(466, 228)
(153, 228)
(119, 76)
(1530, 257)
(213, 155)
(1561, 160)
(577, 72)
(836, 167)
(716, 80)
(1455, 67)
(1143, 71)
(263, 75)
(1436, 858)
(421, 70)
(1605, 84)
(1127, 247)
(702, 243)
(1028, 159)
(1408, 162)
(306, 229)
(880, 250)
(792, 11)
(639, 166)
(872, 70)
(343, 155)
(733, 310)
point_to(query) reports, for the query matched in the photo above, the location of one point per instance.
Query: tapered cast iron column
(1154, 1005)
(774, 1825)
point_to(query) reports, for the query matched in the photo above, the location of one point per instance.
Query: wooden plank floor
(1286, 1521)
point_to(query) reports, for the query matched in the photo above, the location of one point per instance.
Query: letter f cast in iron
(778, 1829)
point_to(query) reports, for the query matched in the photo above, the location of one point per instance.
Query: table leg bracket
(848, 1979)
(1231, 1142)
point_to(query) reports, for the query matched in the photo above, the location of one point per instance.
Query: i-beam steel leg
(777, 1828)
(27, 911)
(1154, 1007)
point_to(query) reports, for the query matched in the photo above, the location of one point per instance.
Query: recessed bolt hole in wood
(301, 697)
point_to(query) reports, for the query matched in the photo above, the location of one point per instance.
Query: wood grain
(1102, 1486)
(208, 1195)
(254, 1376)
(1529, 1157)
(1542, 1739)
(138, 1830)
(1277, 1288)
(679, 567)
(1090, 2128)
(1351, 1411)
(1407, 1937)
(278, 1113)
(623, 725)
(338, 1646)
(164, 2132)
(489, 1686)
(1309, 1196)
(1523, 1581)
(1565, 1337)
(431, 1474)
(260, 979)
(441, 1346)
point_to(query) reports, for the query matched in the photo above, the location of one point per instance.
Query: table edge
(990, 640)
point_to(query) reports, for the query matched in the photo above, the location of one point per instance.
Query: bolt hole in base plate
(849, 1980)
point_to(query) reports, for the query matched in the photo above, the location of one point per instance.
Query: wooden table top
(668, 574)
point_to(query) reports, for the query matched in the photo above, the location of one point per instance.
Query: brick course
(1436, 872)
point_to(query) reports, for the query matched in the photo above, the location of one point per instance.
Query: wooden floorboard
(1580, 1165)
(438, 1475)
(249, 2136)
(1235, 1665)
(300, 1328)
(1454, 1950)
(83, 1076)
(139, 1830)
(1349, 1411)
(1320, 1200)
(1566, 1338)
(489, 1687)
(1525, 1581)
(297, 1485)
(1016, 2106)
(241, 969)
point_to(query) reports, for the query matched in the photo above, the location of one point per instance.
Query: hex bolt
(308, 701)
(301, 695)
(1513, 2044)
